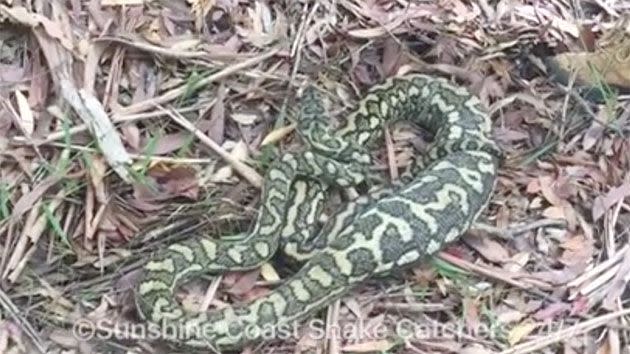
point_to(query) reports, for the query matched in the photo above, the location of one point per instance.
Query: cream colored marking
(413, 90)
(394, 100)
(374, 123)
(342, 182)
(453, 117)
(471, 177)
(299, 290)
(290, 159)
(165, 265)
(403, 227)
(236, 253)
(291, 214)
(384, 109)
(452, 235)
(409, 257)
(318, 274)
(278, 301)
(442, 105)
(185, 251)
(158, 315)
(152, 285)
(425, 92)
(209, 248)
(262, 249)
(184, 272)
(364, 137)
(341, 258)
(433, 246)
(443, 200)
(276, 174)
(455, 132)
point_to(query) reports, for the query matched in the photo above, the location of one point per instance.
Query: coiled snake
(434, 202)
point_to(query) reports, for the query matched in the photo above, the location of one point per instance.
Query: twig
(12, 310)
(247, 172)
(517, 230)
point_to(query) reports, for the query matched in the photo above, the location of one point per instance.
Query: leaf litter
(146, 120)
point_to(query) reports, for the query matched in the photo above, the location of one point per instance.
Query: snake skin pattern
(435, 201)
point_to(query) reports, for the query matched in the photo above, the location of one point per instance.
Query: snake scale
(435, 201)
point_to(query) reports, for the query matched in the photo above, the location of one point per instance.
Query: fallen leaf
(577, 250)
(245, 282)
(552, 311)
(520, 331)
(277, 134)
(369, 347)
(488, 248)
(26, 201)
(25, 119)
(603, 203)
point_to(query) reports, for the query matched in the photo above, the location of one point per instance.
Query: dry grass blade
(15, 313)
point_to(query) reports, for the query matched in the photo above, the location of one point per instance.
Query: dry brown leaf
(577, 250)
(489, 249)
(176, 181)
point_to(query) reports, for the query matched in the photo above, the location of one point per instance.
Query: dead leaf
(552, 311)
(277, 134)
(167, 143)
(245, 283)
(520, 331)
(369, 347)
(577, 250)
(216, 128)
(488, 248)
(176, 180)
(603, 203)
(26, 201)
(25, 119)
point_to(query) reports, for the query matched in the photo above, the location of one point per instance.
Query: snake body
(434, 202)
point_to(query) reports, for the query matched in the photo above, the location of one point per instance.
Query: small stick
(247, 172)
(517, 230)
